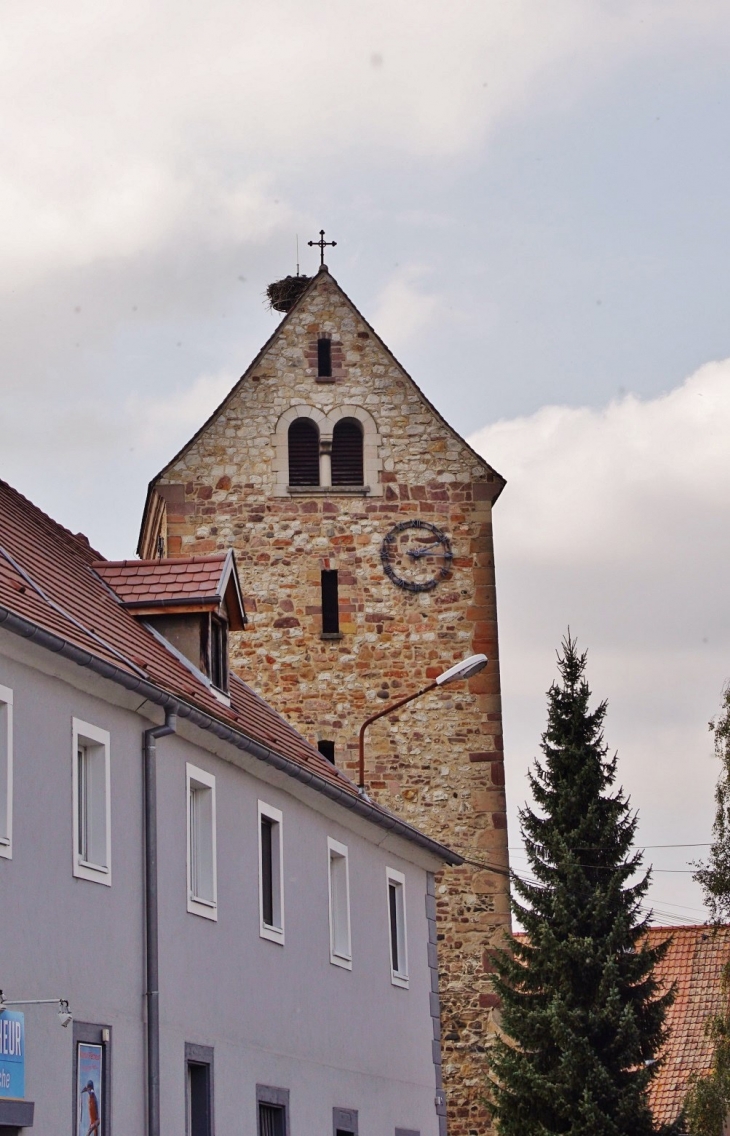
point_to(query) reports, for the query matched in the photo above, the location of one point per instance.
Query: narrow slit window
(324, 358)
(303, 441)
(92, 806)
(339, 887)
(330, 603)
(6, 772)
(397, 927)
(271, 896)
(393, 911)
(267, 871)
(327, 749)
(347, 453)
(202, 884)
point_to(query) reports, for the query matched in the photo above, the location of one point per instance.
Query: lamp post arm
(381, 714)
(35, 1001)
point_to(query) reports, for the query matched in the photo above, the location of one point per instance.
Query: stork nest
(283, 294)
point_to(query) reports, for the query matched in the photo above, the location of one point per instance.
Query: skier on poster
(90, 1091)
(93, 1106)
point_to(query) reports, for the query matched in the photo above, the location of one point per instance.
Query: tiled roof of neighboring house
(51, 581)
(201, 581)
(694, 962)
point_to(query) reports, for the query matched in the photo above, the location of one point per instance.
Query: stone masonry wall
(439, 762)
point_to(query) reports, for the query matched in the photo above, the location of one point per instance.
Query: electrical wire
(646, 907)
(663, 871)
(640, 847)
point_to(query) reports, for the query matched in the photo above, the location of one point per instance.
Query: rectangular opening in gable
(324, 358)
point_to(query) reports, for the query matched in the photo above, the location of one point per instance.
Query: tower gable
(363, 382)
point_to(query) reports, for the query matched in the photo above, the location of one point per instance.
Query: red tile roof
(694, 962)
(157, 581)
(52, 579)
(190, 584)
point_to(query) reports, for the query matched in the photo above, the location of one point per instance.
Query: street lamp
(463, 670)
(64, 1014)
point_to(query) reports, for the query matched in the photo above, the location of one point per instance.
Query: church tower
(362, 526)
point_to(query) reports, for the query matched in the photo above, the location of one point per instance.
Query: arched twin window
(347, 453)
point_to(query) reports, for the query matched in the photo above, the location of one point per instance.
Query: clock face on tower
(415, 555)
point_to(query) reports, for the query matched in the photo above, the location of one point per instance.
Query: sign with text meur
(12, 1054)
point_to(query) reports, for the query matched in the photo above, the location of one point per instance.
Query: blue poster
(12, 1054)
(88, 1089)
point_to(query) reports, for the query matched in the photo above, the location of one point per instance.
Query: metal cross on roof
(322, 245)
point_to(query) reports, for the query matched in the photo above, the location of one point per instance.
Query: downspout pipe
(152, 951)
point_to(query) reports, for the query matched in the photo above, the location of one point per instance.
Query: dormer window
(218, 649)
(191, 604)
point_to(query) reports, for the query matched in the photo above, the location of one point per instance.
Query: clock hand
(417, 553)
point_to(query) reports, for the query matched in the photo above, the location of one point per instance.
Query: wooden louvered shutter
(347, 467)
(303, 452)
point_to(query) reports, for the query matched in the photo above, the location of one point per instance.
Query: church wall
(439, 762)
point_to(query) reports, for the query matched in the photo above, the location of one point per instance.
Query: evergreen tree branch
(582, 1013)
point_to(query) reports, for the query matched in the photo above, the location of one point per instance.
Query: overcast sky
(530, 204)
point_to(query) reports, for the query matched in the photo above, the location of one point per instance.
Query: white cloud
(612, 483)
(87, 463)
(130, 124)
(163, 425)
(403, 309)
(124, 213)
(617, 522)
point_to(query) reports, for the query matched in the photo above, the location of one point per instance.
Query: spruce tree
(582, 1014)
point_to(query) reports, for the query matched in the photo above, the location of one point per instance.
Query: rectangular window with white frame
(6, 772)
(339, 899)
(202, 871)
(396, 882)
(91, 803)
(271, 874)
